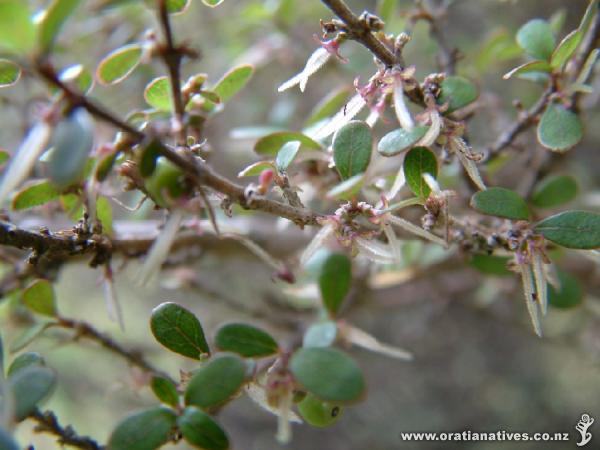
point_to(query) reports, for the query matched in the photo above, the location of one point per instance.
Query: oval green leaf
(71, 142)
(458, 92)
(335, 280)
(352, 147)
(24, 360)
(39, 297)
(233, 81)
(554, 191)
(537, 39)
(500, 202)
(400, 140)
(158, 94)
(528, 68)
(143, 430)
(272, 143)
(559, 129)
(165, 390)
(327, 373)
(419, 161)
(318, 413)
(572, 229)
(321, 334)
(286, 155)
(119, 64)
(216, 381)
(245, 340)
(9, 73)
(17, 31)
(201, 430)
(29, 387)
(570, 293)
(34, 194)
(565, 49)
(179, 330)
(54, 17)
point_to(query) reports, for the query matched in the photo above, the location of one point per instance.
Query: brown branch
(199, 172)
(525, 121)
(87, 331)
(48, 423)
(172, 59)
(359, 30)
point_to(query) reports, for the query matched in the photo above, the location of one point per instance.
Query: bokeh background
(478, 365)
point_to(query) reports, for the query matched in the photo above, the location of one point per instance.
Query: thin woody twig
(47, 422)
(87, 331)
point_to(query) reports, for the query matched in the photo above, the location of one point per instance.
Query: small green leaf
(177, 6)
(559, 129)
(335, 280)
(54, 17)
(105, 165)
(29, 335)
(118, 64)
(143, 430)
(500, 202)
(233, 81)
(327, 373)
(570, 293)
(17, 31)
(418, 161)
(588, 16)
(554, 191)
(165, 390)
(179, 330)
(400, 140)
(25, 360)
(318, 413)
(39, 297)
(158, 94)
(572, 229)
(352, 146)
(328, 106)
(34, 194)
(201, 430)
(286, 155)
(458, 92)
(347, 188)
(271, 143)
(255, 169)
(565, 49)
(245, 340)
(210, 95)
(29, 387)
(72, 142)
(149, 156)
(212, 3)
(529, 67)
(321, 334)
(491, 264)
(536, 39)
(9, 73)
(6, 441)
(216, 382)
